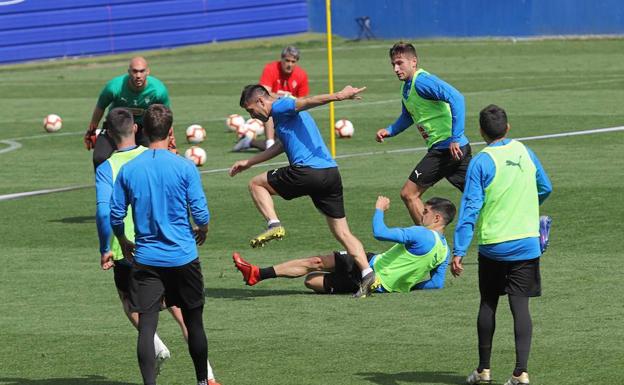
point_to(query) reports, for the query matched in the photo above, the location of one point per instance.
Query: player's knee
(409, 193)
(253, 184)
(406, 194)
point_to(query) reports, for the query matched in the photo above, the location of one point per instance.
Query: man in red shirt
(282, 78)
(285, 77)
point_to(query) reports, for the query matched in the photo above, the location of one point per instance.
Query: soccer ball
(235, 122)
(256, 125)
(344, 128)
(195, 134)
(246, 130)
(52, 123)
(196, 154)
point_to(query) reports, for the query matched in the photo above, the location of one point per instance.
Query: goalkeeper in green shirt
(135, 91)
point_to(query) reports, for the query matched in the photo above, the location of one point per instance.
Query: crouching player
(418, 259)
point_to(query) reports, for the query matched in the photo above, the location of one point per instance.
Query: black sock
(267, 272)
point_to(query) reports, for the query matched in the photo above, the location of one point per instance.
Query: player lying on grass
(417, 260)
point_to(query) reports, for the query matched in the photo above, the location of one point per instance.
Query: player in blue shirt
(162, 188)
(122, 130)
(312, 171)
(417, 261)
(505, 184)
(437, 110)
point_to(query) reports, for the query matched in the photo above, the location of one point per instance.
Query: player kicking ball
(311, 171)
(418, 259)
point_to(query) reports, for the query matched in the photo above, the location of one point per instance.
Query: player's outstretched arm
(265, 155)
(349, 92)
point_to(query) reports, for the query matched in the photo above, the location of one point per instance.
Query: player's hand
(200, 234)
(383, 203)
(90, 137)
(350, 92)
(106, 260)
(239, 166)
(456, 152)
(127, 248)
(456, 266)
(381, 134)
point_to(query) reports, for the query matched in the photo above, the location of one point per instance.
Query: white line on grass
(13, 145)
(359, 154)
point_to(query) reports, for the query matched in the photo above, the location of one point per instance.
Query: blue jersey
(300, 136)
(433, 88)
(161, 187)
(104, 182)
(480, 174)
(418, 240)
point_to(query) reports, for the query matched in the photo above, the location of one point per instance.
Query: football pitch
(61, 322)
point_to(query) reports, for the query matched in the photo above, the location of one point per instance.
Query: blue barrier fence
(37, 29)
(393, 19)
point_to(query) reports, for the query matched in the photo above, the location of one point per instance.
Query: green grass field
(61, 322)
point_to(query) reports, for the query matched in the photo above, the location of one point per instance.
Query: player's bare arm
(265, 155)
(349, 92)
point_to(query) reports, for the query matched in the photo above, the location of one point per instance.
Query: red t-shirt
(295, 84)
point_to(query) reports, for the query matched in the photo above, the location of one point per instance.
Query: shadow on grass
(234, 293)
(82, 219)
(86, 380)
(413, 377)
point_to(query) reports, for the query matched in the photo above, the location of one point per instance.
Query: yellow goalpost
(330, 74)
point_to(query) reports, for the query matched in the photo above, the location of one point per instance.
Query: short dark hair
(157, 122)
(402, 48)
(250, 91)
(119, 123)
(493, 121)
(444, 207)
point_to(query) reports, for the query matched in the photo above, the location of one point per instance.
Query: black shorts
(121, 272)
(323, 185)
(181, 286)
(105, 146)
(346, 276)
(519, 278)
(438, 164)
